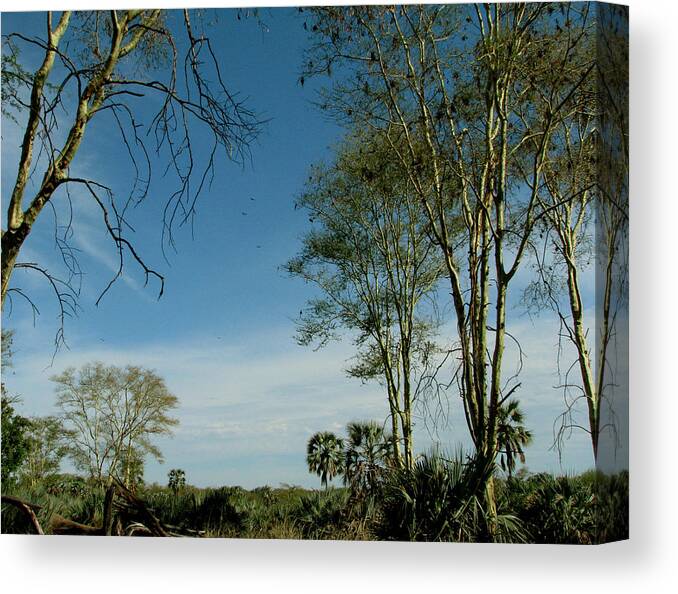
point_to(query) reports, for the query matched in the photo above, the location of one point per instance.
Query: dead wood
(60, 525)
(124, 515)
(27, 509)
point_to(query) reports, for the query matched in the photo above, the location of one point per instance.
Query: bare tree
(112, 414)
(103, 66)
(370, 255)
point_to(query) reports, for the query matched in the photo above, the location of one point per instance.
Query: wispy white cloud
(256, 400)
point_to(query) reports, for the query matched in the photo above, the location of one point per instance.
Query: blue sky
(223, 333)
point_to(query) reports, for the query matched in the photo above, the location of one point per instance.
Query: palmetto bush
(558, 510)
(217, 513)
(585, 509)
(70, 497)
(213, 511)
(442, 499)
(612, 506)
(175, 508)
(319, 515)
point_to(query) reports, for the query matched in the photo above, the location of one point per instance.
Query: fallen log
(135, 509)
(63, 526)
(27, 509)
(126, 515)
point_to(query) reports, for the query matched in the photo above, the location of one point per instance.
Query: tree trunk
(590, 392)
(491, 501)
(12, 240)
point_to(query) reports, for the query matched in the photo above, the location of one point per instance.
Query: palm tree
(325, 456)
(367, 454)
(512, 436)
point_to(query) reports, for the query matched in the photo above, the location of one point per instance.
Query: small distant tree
(113, 414)
(46, 448)
(176, 479)
(325, 456)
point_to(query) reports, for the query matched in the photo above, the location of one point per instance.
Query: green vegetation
(111, 414)
(482, 144)
(15, 441)
(176, 480)
(324, 456)
(436, 500)
(15, 428)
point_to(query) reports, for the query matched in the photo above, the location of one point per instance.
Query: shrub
(443, 500)
(320, 515)
(583, 509)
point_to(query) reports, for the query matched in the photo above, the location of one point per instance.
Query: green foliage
(66, 485)
(218, 513)
(325, 456)
(612, 506)
(557, 509)
(67, 495)
(114, 413)
(368, 452)
(15, 441)
(47, 447)
(176, 480)
(319, 514)
(585, 509)
(289, 512)
(438, 500)
(443, 500)
(512, 435)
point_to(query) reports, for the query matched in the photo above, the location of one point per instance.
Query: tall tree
(584, 200)
(103, 66)
(370, 255)
(113, 414)
(452, 89)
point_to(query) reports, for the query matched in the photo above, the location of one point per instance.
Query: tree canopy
(113, 414)
(370, 254)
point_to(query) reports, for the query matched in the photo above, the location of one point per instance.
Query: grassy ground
(431, 503)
